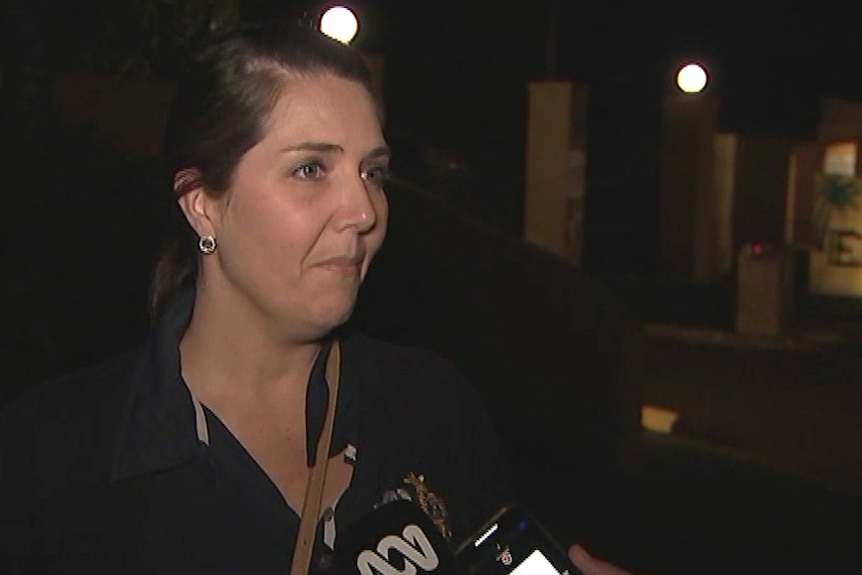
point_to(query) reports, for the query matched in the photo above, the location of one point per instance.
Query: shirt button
(326, 563)
(328, 514)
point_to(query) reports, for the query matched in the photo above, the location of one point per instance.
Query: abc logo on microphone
(395, 539)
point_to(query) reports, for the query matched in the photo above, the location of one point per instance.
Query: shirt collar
(157, 428)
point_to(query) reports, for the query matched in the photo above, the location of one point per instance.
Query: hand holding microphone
(398, 538)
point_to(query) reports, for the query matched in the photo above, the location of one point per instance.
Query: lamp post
(692, 78)
(340, 23)
(695, 221)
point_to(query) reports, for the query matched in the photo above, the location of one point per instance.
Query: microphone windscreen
(397, 538)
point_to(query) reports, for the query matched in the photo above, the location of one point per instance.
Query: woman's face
(306, 210)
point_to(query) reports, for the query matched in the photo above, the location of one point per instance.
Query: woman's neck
(229, 348)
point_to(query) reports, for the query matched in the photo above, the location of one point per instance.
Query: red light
(756, 248)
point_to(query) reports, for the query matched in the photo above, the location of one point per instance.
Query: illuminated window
(840, 159)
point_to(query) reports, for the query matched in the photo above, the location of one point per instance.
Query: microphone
(397, 538)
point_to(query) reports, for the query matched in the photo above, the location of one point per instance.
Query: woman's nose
(359, 210)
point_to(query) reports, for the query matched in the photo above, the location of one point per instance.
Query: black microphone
(397, 538)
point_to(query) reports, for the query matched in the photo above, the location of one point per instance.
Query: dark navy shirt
(106, 471)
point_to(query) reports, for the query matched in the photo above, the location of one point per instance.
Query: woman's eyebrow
(381, 152)
(323, 147)
(320, 147)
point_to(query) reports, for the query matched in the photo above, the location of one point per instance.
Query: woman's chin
(334, 316)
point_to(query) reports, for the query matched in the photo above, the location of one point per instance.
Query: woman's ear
(193, 200)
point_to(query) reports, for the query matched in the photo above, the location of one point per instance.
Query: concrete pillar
(686, 179)
(764, 294)
(806, 161)
(556, 163)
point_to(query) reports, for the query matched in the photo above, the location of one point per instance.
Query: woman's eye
(309, 171)
(377, 175)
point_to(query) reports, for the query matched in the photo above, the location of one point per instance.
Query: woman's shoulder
(63, 408)
(416, 387)
(405, 367)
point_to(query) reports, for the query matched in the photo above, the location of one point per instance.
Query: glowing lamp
(339, 22)
(691, 78)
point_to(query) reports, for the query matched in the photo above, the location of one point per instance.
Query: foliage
(834, 193)
(139, 37)
(840, 192)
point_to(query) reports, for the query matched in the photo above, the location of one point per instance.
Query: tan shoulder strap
(314, 491)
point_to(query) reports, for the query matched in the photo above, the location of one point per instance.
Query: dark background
(80, 226)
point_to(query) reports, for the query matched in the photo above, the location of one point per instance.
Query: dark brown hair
(222, 101)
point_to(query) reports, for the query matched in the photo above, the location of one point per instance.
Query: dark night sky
(769, 67)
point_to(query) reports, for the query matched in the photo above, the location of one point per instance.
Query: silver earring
(207, 245)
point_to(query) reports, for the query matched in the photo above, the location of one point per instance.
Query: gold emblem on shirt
(430, 502)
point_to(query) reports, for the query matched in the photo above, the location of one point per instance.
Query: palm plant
(834, 193)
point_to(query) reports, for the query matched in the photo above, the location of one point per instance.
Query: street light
(691, 78)
(339, 22)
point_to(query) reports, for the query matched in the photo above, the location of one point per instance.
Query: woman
(193, 453)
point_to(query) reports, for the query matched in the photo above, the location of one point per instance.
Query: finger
(592, 566)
